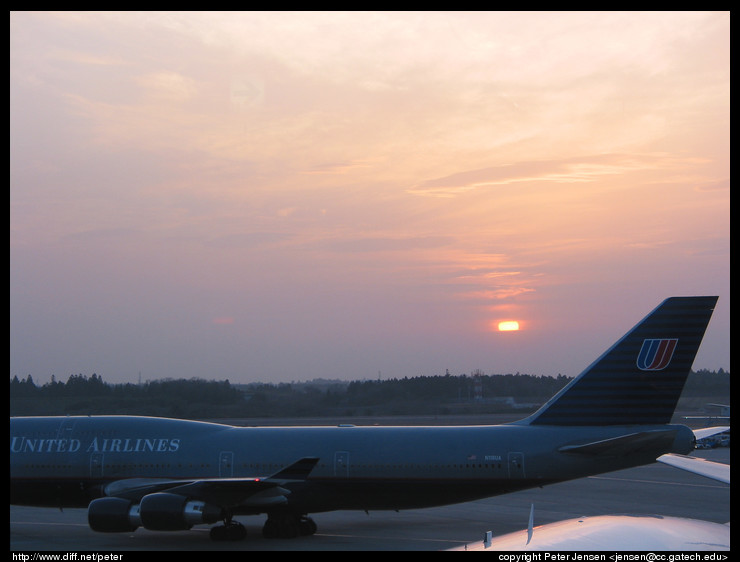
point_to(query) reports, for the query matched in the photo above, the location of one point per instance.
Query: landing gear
(288, 526)
(229, 531)
(282, 526)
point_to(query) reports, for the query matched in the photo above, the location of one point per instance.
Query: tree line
(203, 399)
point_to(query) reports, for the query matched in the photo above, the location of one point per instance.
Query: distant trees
(707, 383)
(90, 395)
(199, 398)
(23, 388)
(449, 388)
(77, 385)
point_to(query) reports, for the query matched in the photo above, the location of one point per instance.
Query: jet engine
(170, 512)
(113, 515)
(156, 512)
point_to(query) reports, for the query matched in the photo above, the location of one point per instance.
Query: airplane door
(64, 435)
(226, 464)
(516, 465)
(341, 464)
(65, 429)
(96, 465)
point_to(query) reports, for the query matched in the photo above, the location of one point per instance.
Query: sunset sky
(271, 197)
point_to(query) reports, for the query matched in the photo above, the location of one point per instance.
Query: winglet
(530, 525)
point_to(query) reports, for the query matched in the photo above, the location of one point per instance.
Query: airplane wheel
(307, 526)
(231, 532)
(270, 529)
(287, 527)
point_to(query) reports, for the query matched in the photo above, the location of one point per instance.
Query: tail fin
(640, 378)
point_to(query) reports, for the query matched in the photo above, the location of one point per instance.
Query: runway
(654, 489)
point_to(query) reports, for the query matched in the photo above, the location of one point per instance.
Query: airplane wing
(612, 532)
(703, 467)
(251, 492)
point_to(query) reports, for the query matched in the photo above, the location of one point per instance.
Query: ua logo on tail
(655, 354)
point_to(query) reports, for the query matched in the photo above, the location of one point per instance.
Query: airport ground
(654, 489)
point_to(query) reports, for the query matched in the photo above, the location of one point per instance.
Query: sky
(284, 196)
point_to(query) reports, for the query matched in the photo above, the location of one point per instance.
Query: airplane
(724, 414)
(169, 475)
(623, 532)
(614, 533)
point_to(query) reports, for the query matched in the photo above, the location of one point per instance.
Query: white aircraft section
(709, 431)
(713, 470)
(613, 532)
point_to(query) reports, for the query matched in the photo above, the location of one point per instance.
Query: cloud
(247, 240)
(380, 179)
(387, 243)
(719, 185)
(101, 234)
(567, 170)
(340, 168)
(167, 87)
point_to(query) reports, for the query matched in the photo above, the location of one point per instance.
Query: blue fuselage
(68, 461)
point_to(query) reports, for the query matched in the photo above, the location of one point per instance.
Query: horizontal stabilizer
(703, 467)
(705, 432)
(660, 439)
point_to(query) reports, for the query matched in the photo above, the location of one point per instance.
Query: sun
(508, 326)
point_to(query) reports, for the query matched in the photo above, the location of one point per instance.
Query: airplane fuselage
(68, 461)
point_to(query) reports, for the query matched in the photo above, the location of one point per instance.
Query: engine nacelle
(156, 512)
(113, 515)
(170, 512)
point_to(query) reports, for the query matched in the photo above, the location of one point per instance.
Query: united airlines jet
(168, 475)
